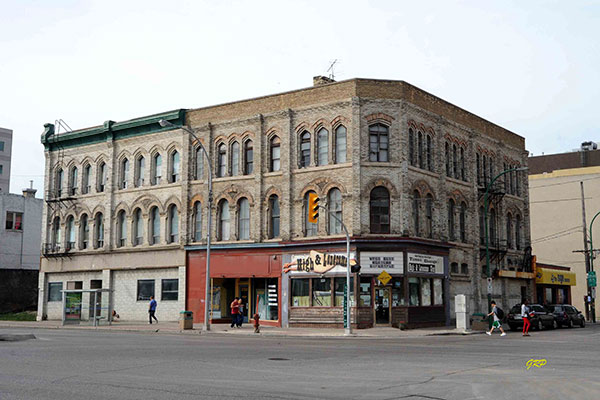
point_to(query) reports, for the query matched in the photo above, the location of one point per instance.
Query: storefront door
(244, 296)
(382, 306)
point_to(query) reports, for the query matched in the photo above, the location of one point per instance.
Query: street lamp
(593, 302)
(207, 295)
(485, 218)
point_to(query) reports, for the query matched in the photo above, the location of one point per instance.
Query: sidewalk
(248, 330)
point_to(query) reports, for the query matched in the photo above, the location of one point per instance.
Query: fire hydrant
(256, 318)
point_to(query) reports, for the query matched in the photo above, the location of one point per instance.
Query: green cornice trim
(110, 130)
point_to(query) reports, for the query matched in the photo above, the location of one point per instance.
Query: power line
(556, 233)
(559, 200)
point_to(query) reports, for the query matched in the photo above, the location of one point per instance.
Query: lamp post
(593, 302)
(485, 219)
(207, 294)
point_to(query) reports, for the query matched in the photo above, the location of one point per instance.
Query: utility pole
(587, 254)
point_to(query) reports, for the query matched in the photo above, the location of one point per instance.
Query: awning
(546, 276)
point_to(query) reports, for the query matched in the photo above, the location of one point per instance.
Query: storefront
(253, 275)
(553, 284)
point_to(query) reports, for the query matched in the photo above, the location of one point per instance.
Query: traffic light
(313, 208)
(355, 268)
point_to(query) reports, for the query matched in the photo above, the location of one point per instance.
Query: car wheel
(569, 324)
(540, 325)
(582, 324)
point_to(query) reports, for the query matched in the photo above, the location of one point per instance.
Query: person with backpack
(498, 315)
(525, 316)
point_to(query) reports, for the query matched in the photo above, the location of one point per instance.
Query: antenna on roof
(332, 74)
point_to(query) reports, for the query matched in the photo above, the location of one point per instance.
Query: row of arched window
(321, 143)
(513, 229)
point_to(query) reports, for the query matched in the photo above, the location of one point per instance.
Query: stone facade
(292, 123)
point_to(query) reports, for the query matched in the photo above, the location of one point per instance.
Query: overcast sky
(529, 66)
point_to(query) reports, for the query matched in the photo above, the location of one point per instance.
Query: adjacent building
(557, 184)
(5, 157)
(127, 206)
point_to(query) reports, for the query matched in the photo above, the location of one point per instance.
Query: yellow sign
(384, 277)
(535, 363)
(554, 277)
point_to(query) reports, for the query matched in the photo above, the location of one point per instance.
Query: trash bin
(186, 320)
(479, 322)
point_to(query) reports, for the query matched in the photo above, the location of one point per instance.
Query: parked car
(567, 315)
(540, 317)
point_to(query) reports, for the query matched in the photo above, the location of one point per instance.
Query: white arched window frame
(99, 231)
(322, 147)
(340, 144)
(275, 156)
(221, 160)
(248, 157)
(235, 158)
(243, 219)
(124, 175)
(154, 236)
(140, 171)
(173, 224)
(85, 179)
(138, 228)
(121, 229)
(73, 177)
(274, 217)
(197, 221)
(70, 233)
(223, 232)
(335, 207)
(304, 150)
(174, 166)
(84, 232)
(156, 169)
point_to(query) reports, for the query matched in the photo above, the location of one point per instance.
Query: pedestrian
(235, 309)
(496, 323)
(152, 310)
(525, 316)
(240, 313)
(256, 323)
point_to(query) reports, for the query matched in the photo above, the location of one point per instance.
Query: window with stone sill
(14, 221)
(378, 143)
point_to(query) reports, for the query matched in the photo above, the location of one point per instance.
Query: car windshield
(516, 309)
(537, 308)
(554, 308)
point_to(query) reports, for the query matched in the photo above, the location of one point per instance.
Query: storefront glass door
(244, 296)
(382, 306)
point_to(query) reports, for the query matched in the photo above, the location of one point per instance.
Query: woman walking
(525, 316)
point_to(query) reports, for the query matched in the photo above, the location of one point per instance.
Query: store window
(321, 292)
(338, 284)
(145, 289)
(414, 292)
(364, 292)
(54, 291)
(398, 292)
(425, 291)
(300, 292)
(169, 289)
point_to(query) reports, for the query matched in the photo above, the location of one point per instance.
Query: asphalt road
(71, 364)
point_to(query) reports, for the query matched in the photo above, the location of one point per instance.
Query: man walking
(235, 309)
(525, 316)
(152, 310)
(496, 323)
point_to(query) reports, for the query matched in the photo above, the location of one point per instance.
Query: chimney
(30, 191)
(321, 80)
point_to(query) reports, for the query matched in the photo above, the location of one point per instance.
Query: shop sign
(425, 263)
(318, 263)
(375, 262)
(554, 277)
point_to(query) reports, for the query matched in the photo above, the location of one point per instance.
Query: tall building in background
(5, 156)
(555, 182)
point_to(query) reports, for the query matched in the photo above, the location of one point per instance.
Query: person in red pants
(525, 316)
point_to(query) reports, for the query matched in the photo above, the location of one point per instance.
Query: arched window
(491, 162)
(481, 226)
(101, 177)
(199, 161)
(485, 171)
(447, 151)
(138, 227)
(379, 210)
(310, 228)
(378, 143)
(121, 229)
(154, 236)
(243, 219)
(335, 207)
(323, 147)
(85, 181)
(84, 232)
(451, 228)
(463, 174)
(463, 222)
(235, 159)
(429, 153)
(420, 150)
(73, 181)
(222, 161)
(305, 150)
(223, 231)
(517, 182)
(124, 174)
(478, 162)
(70, 233)
(197, 221)
(248, 157)
(509, 233)
(429, 215)
(140, 171)
(492, 226)
(99, 230)
(173, 224)
(58, 184)
(340, 144)
(274, 213)
(455, 161)
(275, 162)
(416, 209)
(518, 232)
(56, 237)
(411, 147)
(175, 166)
(156, 169)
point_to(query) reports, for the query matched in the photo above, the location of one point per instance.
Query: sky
(528, 66)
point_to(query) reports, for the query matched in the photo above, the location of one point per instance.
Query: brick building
(402, 168)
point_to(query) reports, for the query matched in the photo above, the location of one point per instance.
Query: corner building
(404, 170)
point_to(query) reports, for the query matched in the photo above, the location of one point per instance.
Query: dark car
(540, 317)
(567, 315)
